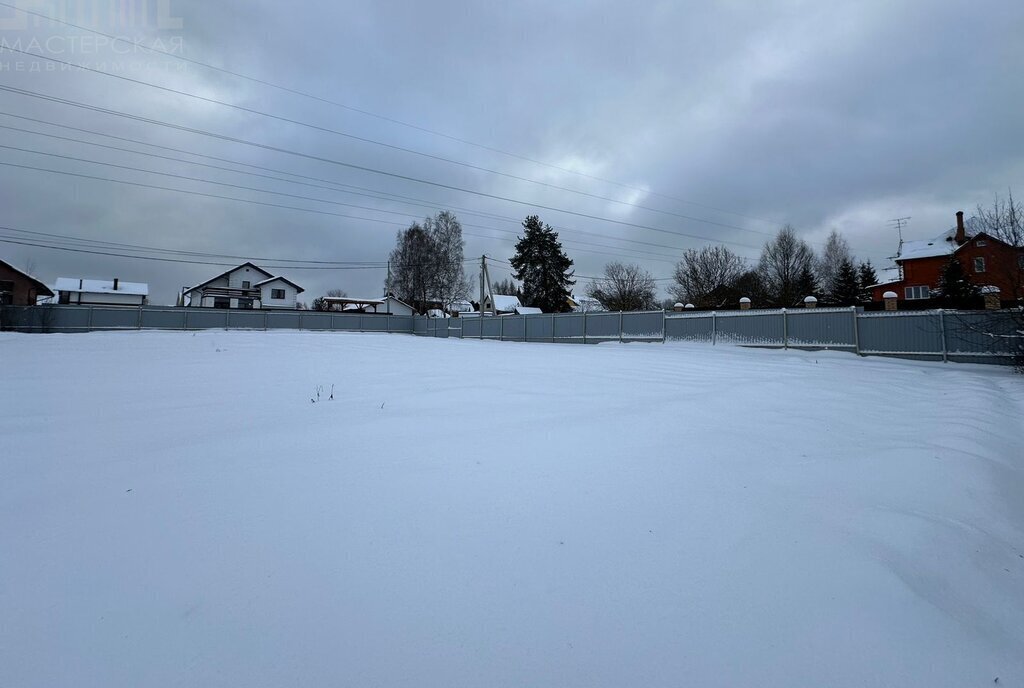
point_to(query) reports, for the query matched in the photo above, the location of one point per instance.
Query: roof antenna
(900, 223)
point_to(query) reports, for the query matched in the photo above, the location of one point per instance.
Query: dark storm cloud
(819, 114)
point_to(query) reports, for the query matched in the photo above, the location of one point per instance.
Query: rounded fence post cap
(810, 299)
(889, 295)
(744, 300)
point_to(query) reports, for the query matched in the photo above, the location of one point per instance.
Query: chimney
(961, 232)
(115, 283)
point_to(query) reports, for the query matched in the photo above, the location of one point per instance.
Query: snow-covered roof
(527, 310)
(91, 286)
(942, 245)
(503, 302)
(43, 290)
(351, 300)
(888, 275)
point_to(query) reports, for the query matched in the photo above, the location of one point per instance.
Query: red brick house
(18, 288)
(987, 261)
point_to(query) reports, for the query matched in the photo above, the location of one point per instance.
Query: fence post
(552, 328)
(300, 320)
(501, 329)
(184, 322)
(856, 330)
(227, 319)
(714, 328)
(942, 330)
(620, 327)
(389, 322)
(664, 322)
(265, 314)
(584, 325)
(785, 329)
(90, 318)
(139, 323)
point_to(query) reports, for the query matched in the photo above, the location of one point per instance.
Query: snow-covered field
(175, 512)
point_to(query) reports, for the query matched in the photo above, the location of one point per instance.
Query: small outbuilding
(74, 291)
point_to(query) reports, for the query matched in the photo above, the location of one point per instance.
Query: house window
(981, 242)
(64, 298)
(979, 264)
(246, 284)
(221, 302)
(277, 294)
(917, 293)
(245, 304)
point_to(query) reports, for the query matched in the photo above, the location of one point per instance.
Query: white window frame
(977, 263)
(917, 293)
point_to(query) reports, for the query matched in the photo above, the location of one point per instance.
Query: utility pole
(485, 279)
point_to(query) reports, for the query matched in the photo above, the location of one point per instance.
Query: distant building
(389, 305)
(986, 261)
(91, 292)
(18, 288)
(584, 304)
(246, 287)
(502, 303)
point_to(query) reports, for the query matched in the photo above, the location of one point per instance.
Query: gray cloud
(822, 115)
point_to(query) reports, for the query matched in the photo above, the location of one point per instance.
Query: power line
(372, 193)
(315, 127)
(381, 117)
(395, 175)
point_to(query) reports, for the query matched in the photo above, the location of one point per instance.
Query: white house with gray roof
(246, 287)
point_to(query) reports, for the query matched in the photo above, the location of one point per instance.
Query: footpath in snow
(175, 511)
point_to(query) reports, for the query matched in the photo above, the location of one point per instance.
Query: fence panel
(643, 326)
(538, 328)
(980, 334)
(752, 327)
(492, 327)
(314, 320)
(569, 327)
(283, 320)
(164, 319)
(375, 323)
(205, 319)
(689, 328)
(246, 320)
(602, 326)
(821, 327)
(901, 333)
(114, 318)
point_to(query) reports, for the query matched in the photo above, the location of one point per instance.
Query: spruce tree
(845, 285)
(806, 285)
(868, 277)
(543, 268)
(956, 290)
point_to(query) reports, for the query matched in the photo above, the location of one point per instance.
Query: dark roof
(283, 279)
(41, 289)
(228, 272)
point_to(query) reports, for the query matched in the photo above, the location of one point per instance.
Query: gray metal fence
(986, 336)
(104, 318)
(978, 336)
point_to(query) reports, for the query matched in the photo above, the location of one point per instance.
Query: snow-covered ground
(174, 511)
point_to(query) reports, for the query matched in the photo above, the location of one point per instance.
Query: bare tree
(830, 263)
(411, 266)
(624, 288)
(506, 286)
(1004, 220)
(448, 276)
(337, 293)
(785, 266)
(702, 274)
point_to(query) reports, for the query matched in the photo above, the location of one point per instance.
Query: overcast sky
(731, 118)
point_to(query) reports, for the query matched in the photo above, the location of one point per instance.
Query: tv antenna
(900, 223)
